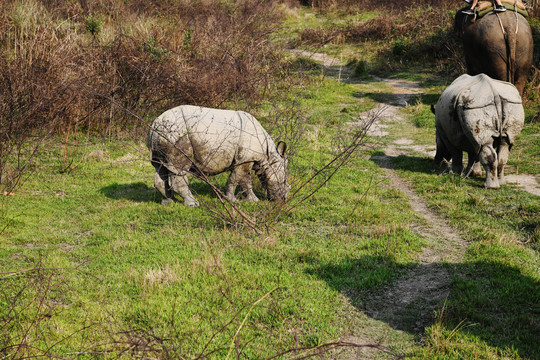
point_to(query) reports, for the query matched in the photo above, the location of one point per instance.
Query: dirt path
(403, 93)
(409, 304)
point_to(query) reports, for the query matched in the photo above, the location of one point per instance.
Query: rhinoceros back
(513, 115)
(480, 108)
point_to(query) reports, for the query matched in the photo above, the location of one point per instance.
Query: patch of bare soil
(529, 183)
(332, 66)
(409, 304)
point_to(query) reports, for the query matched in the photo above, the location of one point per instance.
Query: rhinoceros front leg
(488, 159)
(477, 169)
(240, 175)
(504, 151)
(473, 165)
(180, 185)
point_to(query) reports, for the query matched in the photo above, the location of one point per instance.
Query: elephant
(204, 141)
(499, 45)
(481, 116)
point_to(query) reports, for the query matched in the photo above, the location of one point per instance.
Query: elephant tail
(510, 31)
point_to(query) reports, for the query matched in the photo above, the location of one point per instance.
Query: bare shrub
(36, 93)
(347, 142)
(321, 36)
(390, 6)
(80, 55)
(306, 182)
(104, 66)
(414, 31)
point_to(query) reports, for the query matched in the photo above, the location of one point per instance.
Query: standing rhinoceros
(211, 141)
(481, 116)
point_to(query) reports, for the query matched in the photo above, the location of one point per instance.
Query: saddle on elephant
(485, 7)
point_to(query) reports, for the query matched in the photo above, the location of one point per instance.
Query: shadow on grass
(140, 192)
(136, 192)
(405, 162)
(423, 165)
(501, 305)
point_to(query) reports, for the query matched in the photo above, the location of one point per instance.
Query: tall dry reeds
(107, 65)
(369, 5)
(90, 58)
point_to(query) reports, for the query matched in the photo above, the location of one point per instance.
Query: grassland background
(93, 266)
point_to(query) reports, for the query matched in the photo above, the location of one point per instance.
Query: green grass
(130, 263)
(178, 273)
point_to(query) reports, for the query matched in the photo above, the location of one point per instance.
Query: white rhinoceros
(481, 116)
(211, 141)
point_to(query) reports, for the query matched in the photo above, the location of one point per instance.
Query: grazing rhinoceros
(211, 141)
(481, 116)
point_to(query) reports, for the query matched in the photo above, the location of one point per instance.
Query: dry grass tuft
(161, 276)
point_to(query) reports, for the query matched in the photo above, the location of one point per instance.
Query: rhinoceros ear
(281, 147)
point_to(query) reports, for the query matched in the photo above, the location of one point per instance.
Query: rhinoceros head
(274, 175)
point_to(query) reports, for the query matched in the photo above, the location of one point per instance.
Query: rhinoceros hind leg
(240, 175)
(473, 166)
(161, 183)
(457, 161)
(477, 169)
(442, 154)
(180, 185)
(488, 159)
(503, 153)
